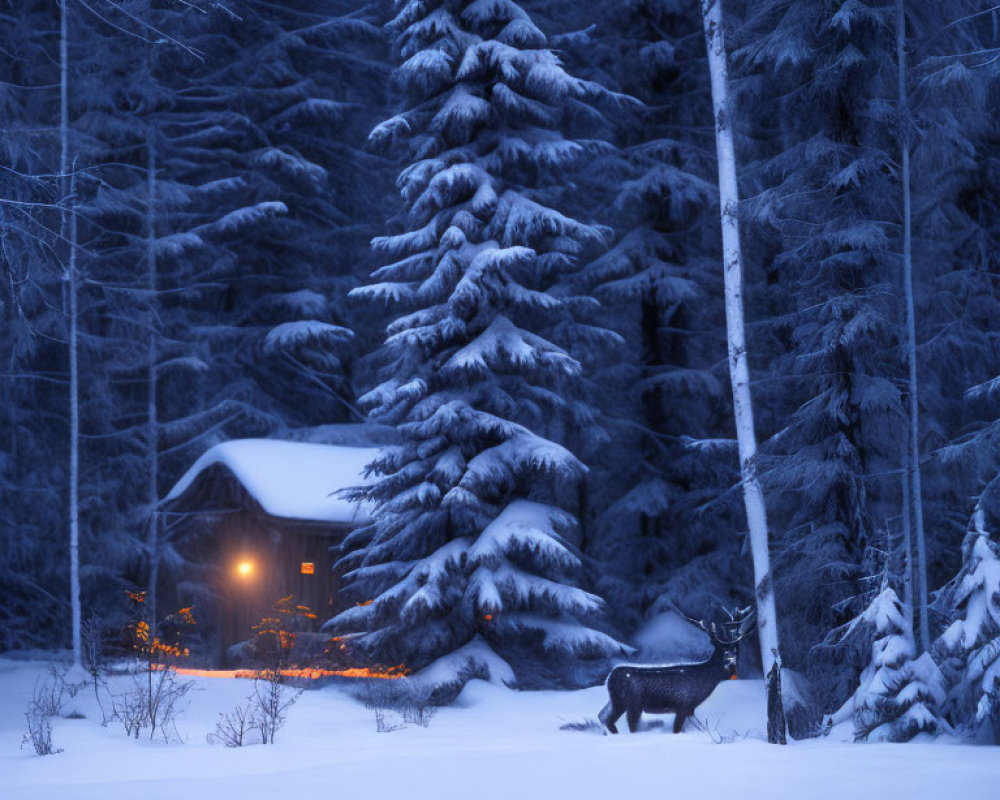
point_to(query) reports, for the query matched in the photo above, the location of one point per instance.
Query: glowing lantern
(308, 568)
(244, 568)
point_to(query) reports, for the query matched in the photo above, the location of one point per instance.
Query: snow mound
(491, 744)
(295, 480)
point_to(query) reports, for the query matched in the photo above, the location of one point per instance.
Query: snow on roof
(296, 480)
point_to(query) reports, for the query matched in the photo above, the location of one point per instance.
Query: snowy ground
(494, 743)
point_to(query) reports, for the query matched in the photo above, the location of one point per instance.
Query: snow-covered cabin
(259, 518)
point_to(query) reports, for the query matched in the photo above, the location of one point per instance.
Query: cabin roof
(295, 480)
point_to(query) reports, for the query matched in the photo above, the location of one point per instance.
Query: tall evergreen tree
(826, 75)
(470, 559)
(957, 258)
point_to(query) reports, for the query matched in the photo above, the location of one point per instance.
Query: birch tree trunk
(69, 233)
(739, 372)
(916, 497)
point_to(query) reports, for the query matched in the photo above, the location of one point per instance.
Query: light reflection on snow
(309, 673)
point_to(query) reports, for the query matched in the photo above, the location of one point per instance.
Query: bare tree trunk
(739, 372)
(68, 228)
(916, 497)
(907, 525)
(74, 436)
(152, 420)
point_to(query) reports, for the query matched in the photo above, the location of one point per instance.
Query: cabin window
(308, 568)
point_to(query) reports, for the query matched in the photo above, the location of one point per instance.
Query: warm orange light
(244, 568)
(309, 673)
(308, 568)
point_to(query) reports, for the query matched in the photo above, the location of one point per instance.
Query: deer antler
(708, 627)
(748, 617)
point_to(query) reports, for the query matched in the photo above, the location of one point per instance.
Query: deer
(676, 688)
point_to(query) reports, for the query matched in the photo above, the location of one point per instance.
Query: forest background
(181, 232)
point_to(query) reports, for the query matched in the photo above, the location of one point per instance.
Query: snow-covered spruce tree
(831, 405)
(973, 638)
(469, 564)
(898, 695)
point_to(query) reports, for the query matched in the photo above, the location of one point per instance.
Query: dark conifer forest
(491, 229)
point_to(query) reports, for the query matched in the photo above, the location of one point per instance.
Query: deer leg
(610, 716)
(633, 714)
(679, 719)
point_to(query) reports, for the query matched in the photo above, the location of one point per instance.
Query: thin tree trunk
(916, 497)
(68, 226)
(74, 436)
(907, 526)
(63, 115)
(739, 372)
(152, 417)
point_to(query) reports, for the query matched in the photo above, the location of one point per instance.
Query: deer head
(727, 634)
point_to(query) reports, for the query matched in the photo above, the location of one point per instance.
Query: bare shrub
(45, 703)
(716, 733)
(588, 725)
(165, 703)
(92, 645)
(399, 702)
(129, 708)
(234, 729)
(155, 698)
(416, 702)
(154, 701)
(49, 695)
(39, 733)
(94, 662)
(387, 721)
(270, 700)
(380, 698)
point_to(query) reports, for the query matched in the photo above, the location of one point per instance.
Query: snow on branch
(530, 527)
(247, 217)
(294, 335)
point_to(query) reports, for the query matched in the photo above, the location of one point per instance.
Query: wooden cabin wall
(238, 531)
